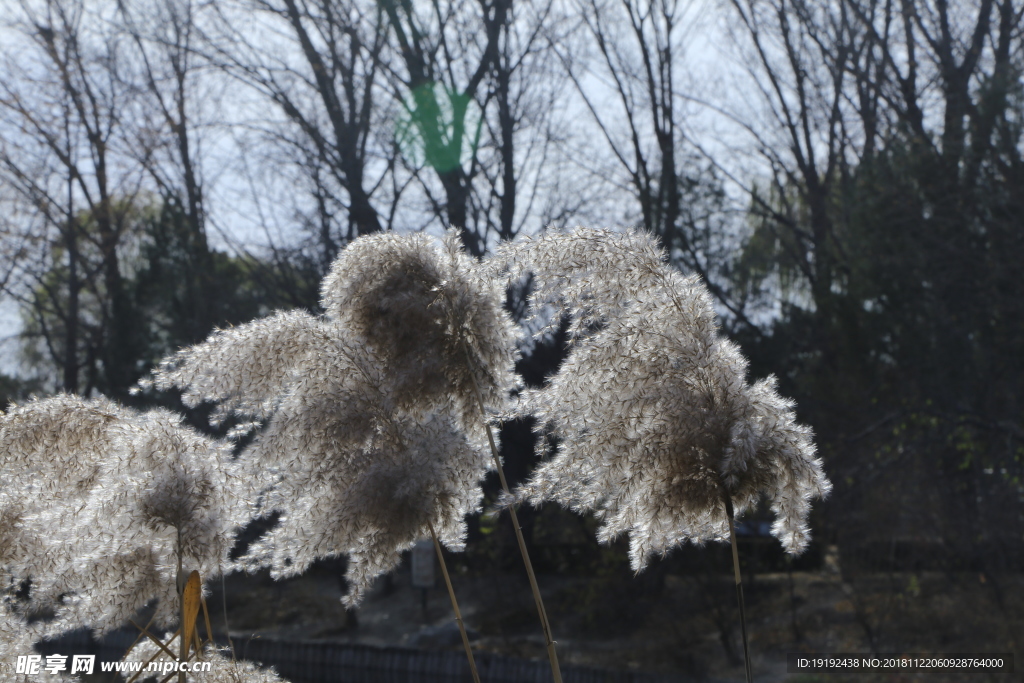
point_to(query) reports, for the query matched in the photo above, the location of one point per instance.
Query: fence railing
(327, 662)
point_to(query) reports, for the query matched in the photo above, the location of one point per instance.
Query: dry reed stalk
(152, 659)
(206, 619)
(455, 606)
(655, 418)
(144, 631)
(739, 584)
(541, 612)
(183, 644)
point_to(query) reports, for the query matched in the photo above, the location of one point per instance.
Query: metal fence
(326, 662)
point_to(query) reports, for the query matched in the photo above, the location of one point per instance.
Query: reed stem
(183, 644)
(224, 605)
(739, 585)
(542, 613)
(149, 661)
(455, 607)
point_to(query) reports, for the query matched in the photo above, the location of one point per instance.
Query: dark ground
(684, 623)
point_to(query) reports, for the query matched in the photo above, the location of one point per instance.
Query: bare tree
(633, 88)
(446, 56)
(165, 136)
(841, 80)
(62, 104)
(965, 56)
(28, 259)
(801, 56)
(891, 132)
(327, 95)
(518, 141)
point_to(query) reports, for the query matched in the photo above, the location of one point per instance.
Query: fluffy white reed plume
(582, 273)
(349, 472)
(51, 456)
(58, 443)
(222, 668)
(190, 497)
(423, 308)
(652, 410)
(99, 530)
(369, 443)
(369, 497)
(17, 638)
(434, 316)
(245, 369)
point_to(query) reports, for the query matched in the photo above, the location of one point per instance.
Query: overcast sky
(251, 199)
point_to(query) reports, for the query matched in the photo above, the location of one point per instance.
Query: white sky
(251, 200)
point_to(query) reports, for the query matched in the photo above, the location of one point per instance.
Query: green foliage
(174, 291)
(15, 389)
(910, 367)
(183, 289)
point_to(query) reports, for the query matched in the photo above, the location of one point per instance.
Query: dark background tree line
(860, 220)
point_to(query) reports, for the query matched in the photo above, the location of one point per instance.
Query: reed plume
(100, 505)
(370, 499)
(244, 370)
(652, 411)
(433, 315)
(16, 638)
(373, 432)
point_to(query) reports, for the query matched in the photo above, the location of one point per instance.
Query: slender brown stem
(152, 659)
(183, 642)
(171, 675)
(138, 637)
(145, 632)
(455, 606)
(224, 605)
(739, 585)
(545, 625)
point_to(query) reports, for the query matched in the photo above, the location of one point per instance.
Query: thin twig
(550, 642)
(739, 584)
(149, 635)
(149, 661)
(183, 642)
(138, 637)
(224, 605)
(455, 606)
